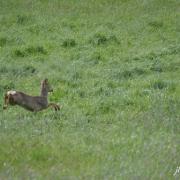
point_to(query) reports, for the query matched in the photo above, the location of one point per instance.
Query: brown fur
(31, 103)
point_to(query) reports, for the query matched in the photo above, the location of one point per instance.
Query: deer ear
(46, 80)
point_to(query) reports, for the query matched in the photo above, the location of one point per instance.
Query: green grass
(114, 66)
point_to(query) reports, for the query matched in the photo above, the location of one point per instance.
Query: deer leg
(6, 101)
(55, 106)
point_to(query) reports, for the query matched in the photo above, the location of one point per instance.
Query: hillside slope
(114, 66)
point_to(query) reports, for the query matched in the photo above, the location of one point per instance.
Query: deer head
(45, 87)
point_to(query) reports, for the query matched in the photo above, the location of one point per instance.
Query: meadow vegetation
(114, 66)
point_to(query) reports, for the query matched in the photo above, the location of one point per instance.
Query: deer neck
(44, 92)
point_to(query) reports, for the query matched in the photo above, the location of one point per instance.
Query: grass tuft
(19, 53)
(22, 19)
(156, 24)
(30, 51)
(35, 50)
(159, 84)
(3, 41)
(69, 43)
(102, 39)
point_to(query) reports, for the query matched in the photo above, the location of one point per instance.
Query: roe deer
(31, 103)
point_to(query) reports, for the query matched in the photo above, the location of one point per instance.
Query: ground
(114, 66)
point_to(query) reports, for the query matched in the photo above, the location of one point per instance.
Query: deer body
(31, 103)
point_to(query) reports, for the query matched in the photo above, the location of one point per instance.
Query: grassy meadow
(115, 68)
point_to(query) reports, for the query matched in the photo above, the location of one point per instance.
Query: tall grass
(114, 66)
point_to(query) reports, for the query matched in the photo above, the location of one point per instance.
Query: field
(115, 69)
